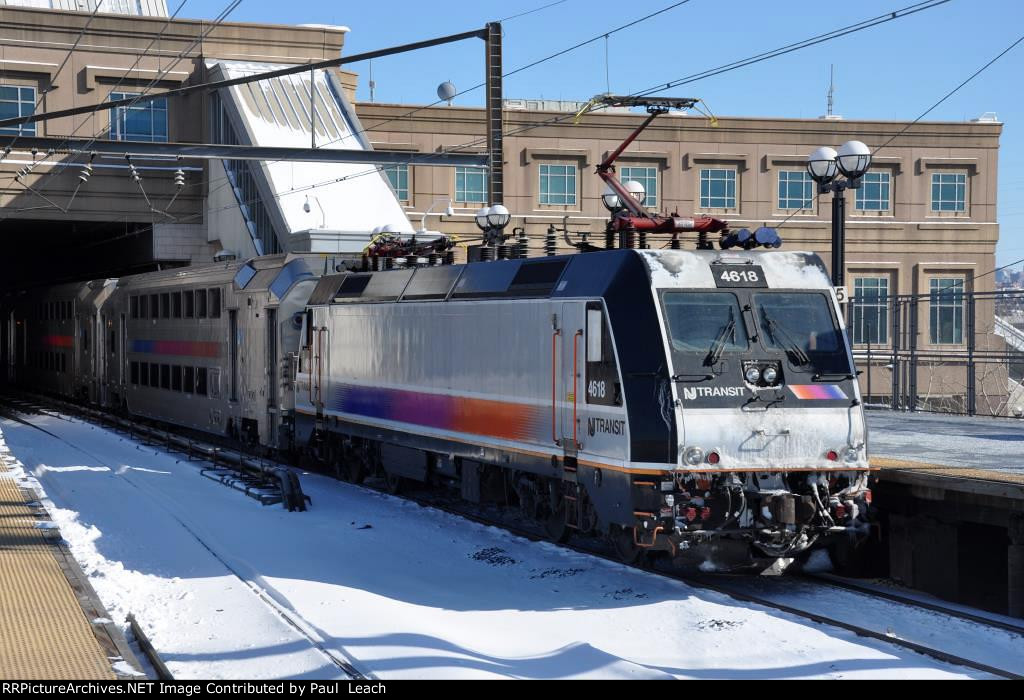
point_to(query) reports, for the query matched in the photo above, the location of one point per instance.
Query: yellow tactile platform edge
(945, 470)
(44, 633)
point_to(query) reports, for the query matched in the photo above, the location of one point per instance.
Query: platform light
(498, 216)
(610, 199)
(481, 218)
(853, 159)
(636, 189)
(822, 165)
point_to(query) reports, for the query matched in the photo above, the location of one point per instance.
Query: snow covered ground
(957, 441)
(398, 590)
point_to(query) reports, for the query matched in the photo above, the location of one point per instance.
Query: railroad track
(703, 582)
(291, 618)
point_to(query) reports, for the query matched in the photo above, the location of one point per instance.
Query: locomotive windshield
(705, 321)
(802, 326)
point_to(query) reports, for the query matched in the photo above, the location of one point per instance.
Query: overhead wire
(217, 21)
(843, 31)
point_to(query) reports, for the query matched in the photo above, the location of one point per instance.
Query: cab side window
(602, 373)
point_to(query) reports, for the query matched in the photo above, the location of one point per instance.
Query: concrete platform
(52, 625)
(950, 492)
(962, 446)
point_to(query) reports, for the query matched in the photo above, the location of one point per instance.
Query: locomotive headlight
(851, 455)
(693, 456)
(770, 374)
(753, 375)
(670, 500)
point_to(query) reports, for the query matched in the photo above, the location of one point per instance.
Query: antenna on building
(373, 84)
(446, 91)
(830, 100)
(831, 89)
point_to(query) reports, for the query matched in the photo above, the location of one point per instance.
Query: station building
(923, 223)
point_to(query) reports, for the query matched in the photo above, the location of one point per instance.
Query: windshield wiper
(692, 377)
(718, 347)
(832, 377)
(791, 346)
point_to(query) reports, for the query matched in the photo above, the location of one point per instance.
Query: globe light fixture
(854, 159)
(481, 218)
(610, 199)
(822, 165)
(498, 216)
(636, 189)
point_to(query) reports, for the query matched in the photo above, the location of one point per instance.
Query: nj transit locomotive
(701, 403)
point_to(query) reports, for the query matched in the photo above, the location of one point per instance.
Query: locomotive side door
(570, 396)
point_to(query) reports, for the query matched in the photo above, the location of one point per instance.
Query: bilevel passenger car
(209, 347)
(698, 403)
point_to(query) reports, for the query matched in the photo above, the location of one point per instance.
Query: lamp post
(853, 159)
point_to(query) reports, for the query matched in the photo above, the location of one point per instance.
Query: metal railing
(948, 351)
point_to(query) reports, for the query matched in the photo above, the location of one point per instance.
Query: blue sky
(894, 71)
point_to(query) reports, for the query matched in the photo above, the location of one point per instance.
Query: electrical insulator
(179, 178)
(85, 173)
(551, 241)
(523, 244)
(135, 174)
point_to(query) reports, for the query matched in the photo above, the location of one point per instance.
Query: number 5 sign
(842, 295)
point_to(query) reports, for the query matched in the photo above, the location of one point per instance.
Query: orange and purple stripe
(500, 419)
(184, 348)
(818, 392)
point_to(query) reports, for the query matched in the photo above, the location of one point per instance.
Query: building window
(470, 185)
(557, 184)
(870, 318)
(796, 190)
(17, 102)
(646, 176)
(873, 194)
(144, 121)
(949, 192)
(947, 310)
(398, 176)
(717, 188)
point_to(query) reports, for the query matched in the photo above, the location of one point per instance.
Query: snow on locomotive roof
(693, 268)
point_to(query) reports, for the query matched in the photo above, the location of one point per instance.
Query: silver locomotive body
(600, 401)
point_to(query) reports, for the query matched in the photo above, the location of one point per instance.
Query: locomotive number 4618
(738, 276)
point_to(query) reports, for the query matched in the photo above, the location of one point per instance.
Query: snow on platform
(400, 590)
(967, 442)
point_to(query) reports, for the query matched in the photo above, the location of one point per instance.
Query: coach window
(176, 378)
(200, 381)
(190, 380)
(154, 375)
(215, 303)
(215, 382)
(134, 303)
(200, 303)
(190, 307)
(165, 376)
(144, 375)
(154, 306)
(603, 386)
(165, 305)
(144, 306)
(176, 304)
(135, 372)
